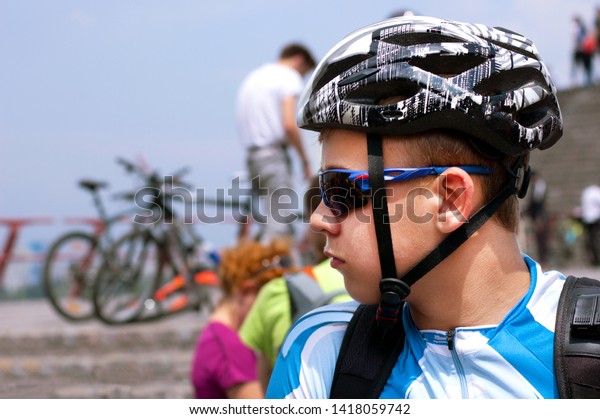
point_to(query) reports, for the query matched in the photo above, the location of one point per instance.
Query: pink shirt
(221, 361)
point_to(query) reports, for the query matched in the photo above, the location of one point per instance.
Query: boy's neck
(460, 294)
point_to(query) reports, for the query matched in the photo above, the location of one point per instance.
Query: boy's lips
(335, 260)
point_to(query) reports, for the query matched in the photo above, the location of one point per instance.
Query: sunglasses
(343, 190)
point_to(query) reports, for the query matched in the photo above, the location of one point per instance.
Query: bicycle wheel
(127, 278)
(70, 267)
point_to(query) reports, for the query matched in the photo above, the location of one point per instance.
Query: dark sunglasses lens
(340, 194)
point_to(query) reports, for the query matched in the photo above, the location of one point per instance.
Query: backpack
(368, 354)
(306, 294)
(589, 44)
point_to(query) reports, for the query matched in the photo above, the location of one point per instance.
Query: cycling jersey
(513, 359)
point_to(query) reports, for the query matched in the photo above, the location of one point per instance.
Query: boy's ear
(456, 190)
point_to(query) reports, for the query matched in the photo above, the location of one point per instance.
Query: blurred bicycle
(162, 267)
(73, 259)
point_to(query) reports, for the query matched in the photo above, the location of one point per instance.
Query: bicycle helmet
(413, 74)
(487, 82)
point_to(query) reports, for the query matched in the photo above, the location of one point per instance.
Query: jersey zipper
(459, 368)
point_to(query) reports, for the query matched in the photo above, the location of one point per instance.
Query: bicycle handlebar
(92, 185)
(129, 167)
(153, 179)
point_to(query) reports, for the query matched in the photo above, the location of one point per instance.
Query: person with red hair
(223, 367)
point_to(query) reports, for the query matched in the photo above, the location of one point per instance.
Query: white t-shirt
(590, 204)
(259, 103)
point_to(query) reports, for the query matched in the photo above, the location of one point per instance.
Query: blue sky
(82, 82)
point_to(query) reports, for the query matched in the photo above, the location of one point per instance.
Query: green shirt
(269, 320)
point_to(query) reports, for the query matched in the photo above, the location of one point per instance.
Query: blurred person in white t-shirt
(266, 121)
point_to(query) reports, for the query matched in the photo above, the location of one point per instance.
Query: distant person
(597, 28)
(270, 318)
(597, 31)
(536, 210)
(266, 121)
(590, 216)
(222, 366)
(584, 47)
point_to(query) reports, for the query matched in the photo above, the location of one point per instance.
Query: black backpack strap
(577, 339)
(367, 356)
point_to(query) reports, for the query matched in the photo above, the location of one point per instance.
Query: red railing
(14, 226)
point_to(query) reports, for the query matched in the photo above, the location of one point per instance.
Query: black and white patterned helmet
(412, 74)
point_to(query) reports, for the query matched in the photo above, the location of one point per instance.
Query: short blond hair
(449, 148)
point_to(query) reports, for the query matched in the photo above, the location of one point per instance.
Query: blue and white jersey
(513, 359)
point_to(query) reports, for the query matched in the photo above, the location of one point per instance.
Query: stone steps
(82, 341)
(112, 367)
(62, 388)
(573, 162)
(44, 356)
(98, 376)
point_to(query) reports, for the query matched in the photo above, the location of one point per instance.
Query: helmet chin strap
(395, 290)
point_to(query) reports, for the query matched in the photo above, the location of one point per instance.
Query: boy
(426, 126)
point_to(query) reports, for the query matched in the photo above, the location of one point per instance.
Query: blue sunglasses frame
(343, 190)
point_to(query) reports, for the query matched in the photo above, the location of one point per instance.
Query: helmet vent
(514, 48)
(447, 65)
(338, 68)
(533, 115)
(407, 39)
(510, 80)
(378, 93)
